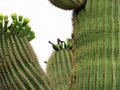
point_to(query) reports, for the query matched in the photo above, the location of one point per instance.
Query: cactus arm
(59, 67)
(19, 67)
(68, 4)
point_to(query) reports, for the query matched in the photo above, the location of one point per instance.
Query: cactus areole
(96, 30)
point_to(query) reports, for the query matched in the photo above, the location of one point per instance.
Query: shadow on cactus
(19, 67)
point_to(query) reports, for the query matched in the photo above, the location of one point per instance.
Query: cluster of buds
(62, 44)
(18, 26)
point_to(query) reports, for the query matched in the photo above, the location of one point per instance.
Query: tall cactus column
(59, 65)
(96, 33)
(19, 68)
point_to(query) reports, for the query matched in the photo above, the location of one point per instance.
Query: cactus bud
(15, 22)
(65, 45)
(23, 30)
(16, 29)
(55, 47)
(26, 21)
(6, 23)
(32, 35)
(14, 16)
(20, 24)
(69, 43)
(5, 17)
(1, 16)
(20, 18)
(27, 29)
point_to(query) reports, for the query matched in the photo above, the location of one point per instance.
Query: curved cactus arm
(59, 68)
(19, 67)
(68, 4)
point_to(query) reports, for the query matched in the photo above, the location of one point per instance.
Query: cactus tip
(14, 16)
(1, 16)
(26, 21)
(20, 18)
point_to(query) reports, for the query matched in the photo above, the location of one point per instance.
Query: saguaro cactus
(19, 68)
(96, 25)
(59, 65)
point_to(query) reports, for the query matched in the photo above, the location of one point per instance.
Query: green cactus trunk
(97, 46)
(19, 67)
(59, 68)
(96, 37)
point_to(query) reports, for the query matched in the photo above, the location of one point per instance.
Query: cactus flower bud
(55, 47)
(26, 21)
(14, 16)
(20, 18)
(5, 17)
(1, 16)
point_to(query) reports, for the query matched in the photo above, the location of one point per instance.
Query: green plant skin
(19, 67)
(59, 68)
(96, 28)
(68, 4)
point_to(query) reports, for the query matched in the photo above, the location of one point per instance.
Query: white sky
(47, 21)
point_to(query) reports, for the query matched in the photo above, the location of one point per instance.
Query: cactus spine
(96, 40)
(19, 68)
(59, 67)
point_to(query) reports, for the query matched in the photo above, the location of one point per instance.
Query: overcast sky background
(47, 21)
